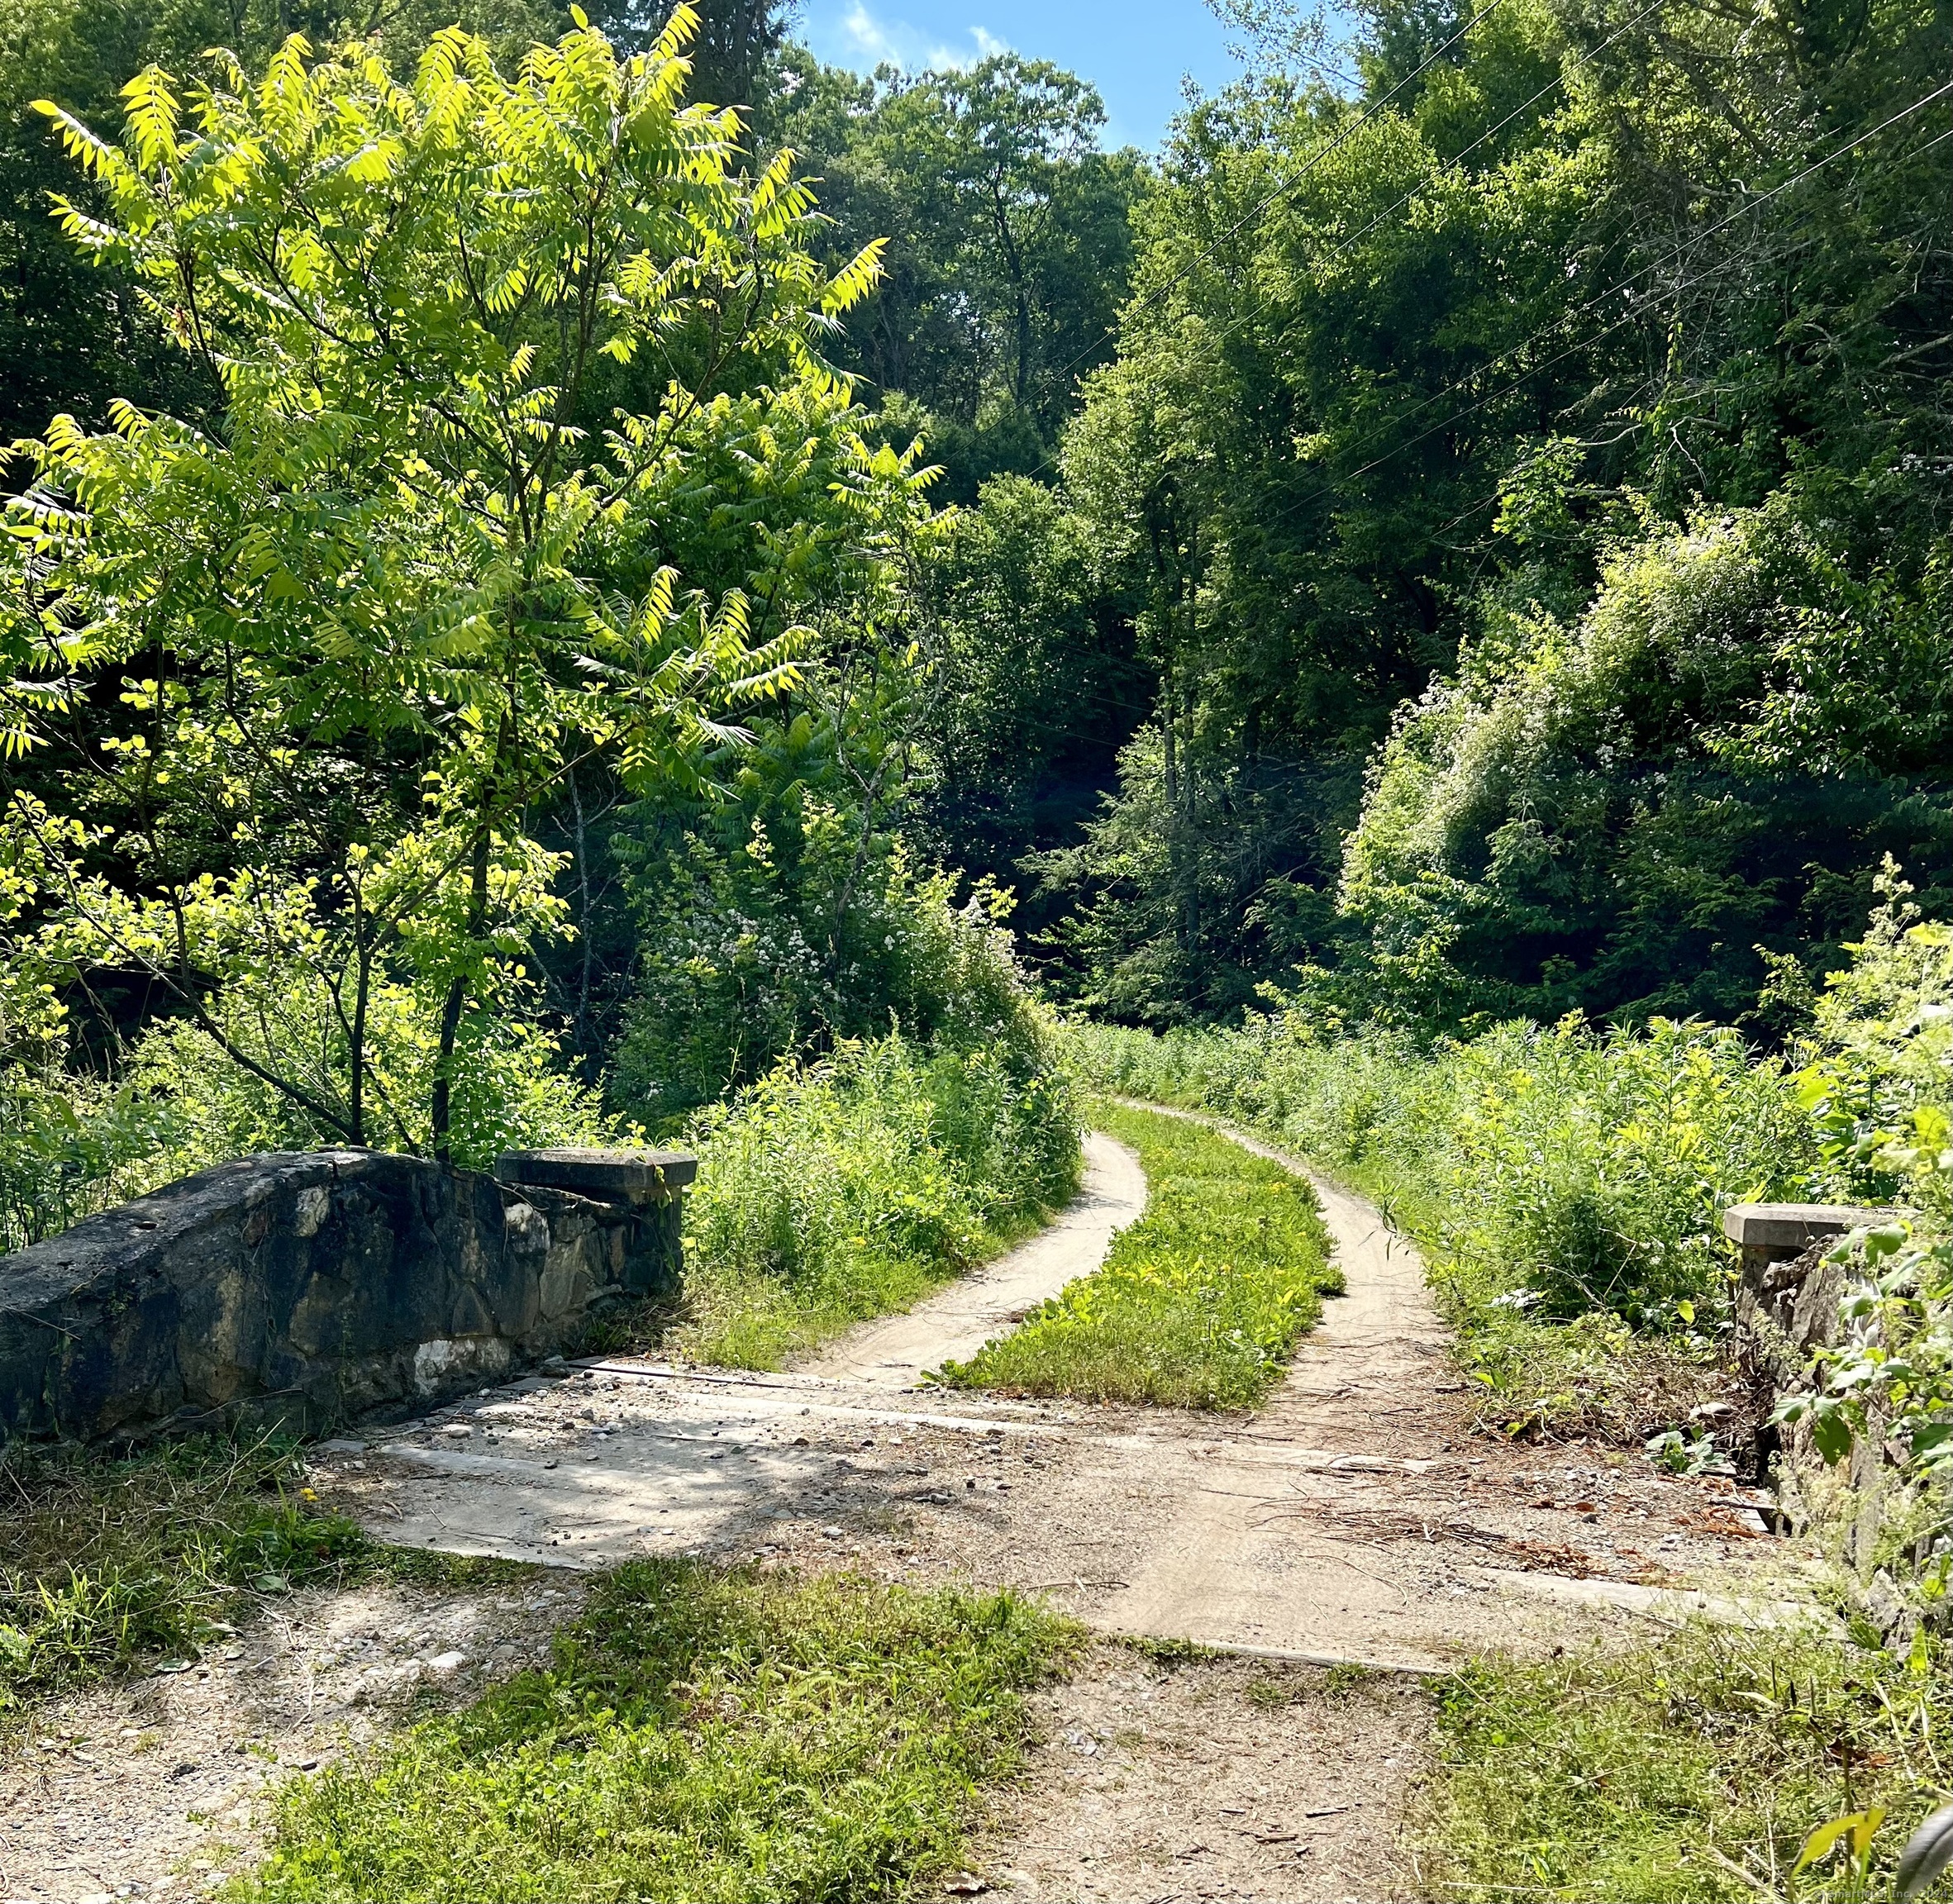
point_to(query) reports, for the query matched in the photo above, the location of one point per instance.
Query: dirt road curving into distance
(1352, 1519)
(955, 1322)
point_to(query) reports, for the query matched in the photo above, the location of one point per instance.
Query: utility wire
(1344, 244)
(1694, 242)
(1318, 260)
(1701, 277)
(1053, 729)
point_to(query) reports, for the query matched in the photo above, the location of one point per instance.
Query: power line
(1318, 260)
(1693, 242)
(1344, 244)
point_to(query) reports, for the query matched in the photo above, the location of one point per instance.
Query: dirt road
(1353, 1519)
(954, 1324)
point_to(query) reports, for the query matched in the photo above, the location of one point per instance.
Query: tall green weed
(1567, 1184)
(1879, 1081)
(1689, 1771)
(1562, 1170)
(834, 1191)
(798, 933)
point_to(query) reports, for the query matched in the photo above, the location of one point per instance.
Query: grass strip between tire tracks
(1199, 1303)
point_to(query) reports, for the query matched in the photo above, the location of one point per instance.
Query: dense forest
(1453, 537)
(574, 575)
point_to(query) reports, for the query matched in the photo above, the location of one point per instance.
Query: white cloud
(866, 39)
(867, 36)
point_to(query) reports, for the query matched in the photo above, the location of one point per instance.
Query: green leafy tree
(766, 907)
(1009, 241)
(73, 337)
(733, 49)
(1033, 680)
(396, 547)
(1614, 816)
(1406, 371)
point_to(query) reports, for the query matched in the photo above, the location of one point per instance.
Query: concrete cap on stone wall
(1794, 1227)
(631, 1176)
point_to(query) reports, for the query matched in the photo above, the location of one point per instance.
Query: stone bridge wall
(305, 1289)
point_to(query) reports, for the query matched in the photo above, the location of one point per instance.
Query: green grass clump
(830, 1192)
(1199, 1303)
(108, 1565)
(702, 1736)
(1645, 1775)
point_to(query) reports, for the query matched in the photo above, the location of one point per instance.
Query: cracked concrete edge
(1669, 1605)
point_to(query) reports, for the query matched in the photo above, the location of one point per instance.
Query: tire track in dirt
(1406, 1547)
(954, 1324)
(1354, 1517)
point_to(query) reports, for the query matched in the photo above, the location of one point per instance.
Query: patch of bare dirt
(1208, 1778)
(156, 1789)
(1356, 1517)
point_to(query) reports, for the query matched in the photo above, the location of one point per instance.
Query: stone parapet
(1787, 1297)
(615, 1176)
(1773, 1232)
(306, 1289)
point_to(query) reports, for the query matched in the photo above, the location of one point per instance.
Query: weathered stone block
(310, 1288)
(624, 1176)
(1771, 1232)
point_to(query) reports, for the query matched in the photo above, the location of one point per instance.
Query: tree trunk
(450, 1011)
(583, 903)
(356, 1042)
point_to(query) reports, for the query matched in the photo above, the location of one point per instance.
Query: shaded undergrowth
(1199, 1303)
(700, 1736)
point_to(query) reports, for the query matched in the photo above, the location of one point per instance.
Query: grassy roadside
(1199, 1303)
(831, 1193)
(703, 1736)
(1589, 1375)
(110, 1566)
(1689, 1771)
(1529, 1177)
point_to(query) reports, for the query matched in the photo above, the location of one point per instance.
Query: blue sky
(1134, 51)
